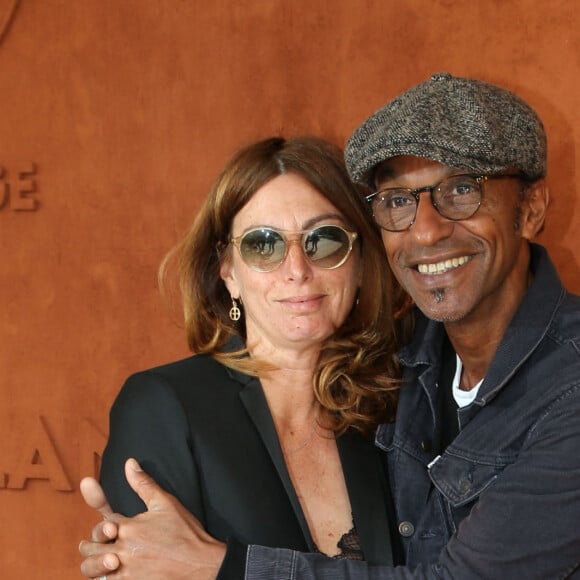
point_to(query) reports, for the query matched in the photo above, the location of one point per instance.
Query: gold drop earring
(235, 312)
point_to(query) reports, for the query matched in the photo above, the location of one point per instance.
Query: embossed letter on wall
(18, 187)
(40, 457)
(7, 11)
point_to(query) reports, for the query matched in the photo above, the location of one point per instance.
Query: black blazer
(205, 433)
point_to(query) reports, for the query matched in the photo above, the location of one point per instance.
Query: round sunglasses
(264, 249)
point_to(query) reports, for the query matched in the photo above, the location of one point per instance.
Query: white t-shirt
(463, 398)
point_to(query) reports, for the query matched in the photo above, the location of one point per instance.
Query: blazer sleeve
(148, 422)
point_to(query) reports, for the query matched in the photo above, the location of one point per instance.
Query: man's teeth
(441, 267)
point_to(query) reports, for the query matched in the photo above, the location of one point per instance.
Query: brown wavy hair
(357, 375)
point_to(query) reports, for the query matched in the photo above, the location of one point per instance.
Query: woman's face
(297, 305)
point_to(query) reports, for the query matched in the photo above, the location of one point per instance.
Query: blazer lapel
(256, 405)
(365, 476)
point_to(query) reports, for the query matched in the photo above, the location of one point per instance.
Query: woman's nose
(296, 264)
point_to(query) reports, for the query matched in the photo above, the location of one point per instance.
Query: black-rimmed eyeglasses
(456, 197)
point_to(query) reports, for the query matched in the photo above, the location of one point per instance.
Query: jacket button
(465, 486)
(426, 445)
(406, 529)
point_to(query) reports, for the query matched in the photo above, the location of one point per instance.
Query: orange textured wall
(114, 119)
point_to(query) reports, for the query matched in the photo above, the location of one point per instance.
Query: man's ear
(534, 208)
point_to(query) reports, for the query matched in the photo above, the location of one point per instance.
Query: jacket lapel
(365, 476)
(256, 405)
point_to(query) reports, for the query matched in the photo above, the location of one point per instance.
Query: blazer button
(406, 529)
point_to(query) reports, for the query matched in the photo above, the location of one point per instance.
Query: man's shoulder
(565, 326)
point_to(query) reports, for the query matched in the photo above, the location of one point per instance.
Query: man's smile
(443, 266)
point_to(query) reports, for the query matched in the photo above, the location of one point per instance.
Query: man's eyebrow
(383, 172)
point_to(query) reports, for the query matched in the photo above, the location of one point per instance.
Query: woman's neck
(290, 396)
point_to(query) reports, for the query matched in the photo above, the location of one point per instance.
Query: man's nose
(429, 226)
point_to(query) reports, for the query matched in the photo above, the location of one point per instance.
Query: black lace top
(349, 546)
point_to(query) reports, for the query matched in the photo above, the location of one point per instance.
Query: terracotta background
(114, 118)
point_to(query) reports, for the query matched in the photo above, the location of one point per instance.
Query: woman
(265, 433)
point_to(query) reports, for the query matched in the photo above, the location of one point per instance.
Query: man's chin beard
(438, 295)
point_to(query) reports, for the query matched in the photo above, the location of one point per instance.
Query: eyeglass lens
(457, 197)
(264, 249)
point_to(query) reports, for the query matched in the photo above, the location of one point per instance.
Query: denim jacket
(503, 500)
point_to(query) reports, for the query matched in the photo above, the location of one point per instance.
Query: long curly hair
(357, 376)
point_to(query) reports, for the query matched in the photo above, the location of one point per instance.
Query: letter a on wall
(39, 460)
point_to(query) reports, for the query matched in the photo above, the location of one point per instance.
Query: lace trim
(349, 546)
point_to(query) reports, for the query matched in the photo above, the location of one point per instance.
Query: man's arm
(167, 543)
(525, 525)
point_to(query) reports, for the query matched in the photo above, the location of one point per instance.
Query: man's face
(458, 270)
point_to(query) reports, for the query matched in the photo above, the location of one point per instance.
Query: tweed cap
(459, 122)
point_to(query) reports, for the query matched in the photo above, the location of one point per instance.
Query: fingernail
(109, 530)
(110, 562)
(134, 465)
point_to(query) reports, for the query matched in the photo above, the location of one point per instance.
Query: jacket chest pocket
(461, 480)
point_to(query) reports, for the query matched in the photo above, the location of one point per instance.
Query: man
(483, 457)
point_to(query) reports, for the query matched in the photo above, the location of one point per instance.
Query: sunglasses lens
(263, 249)
(327, 246)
